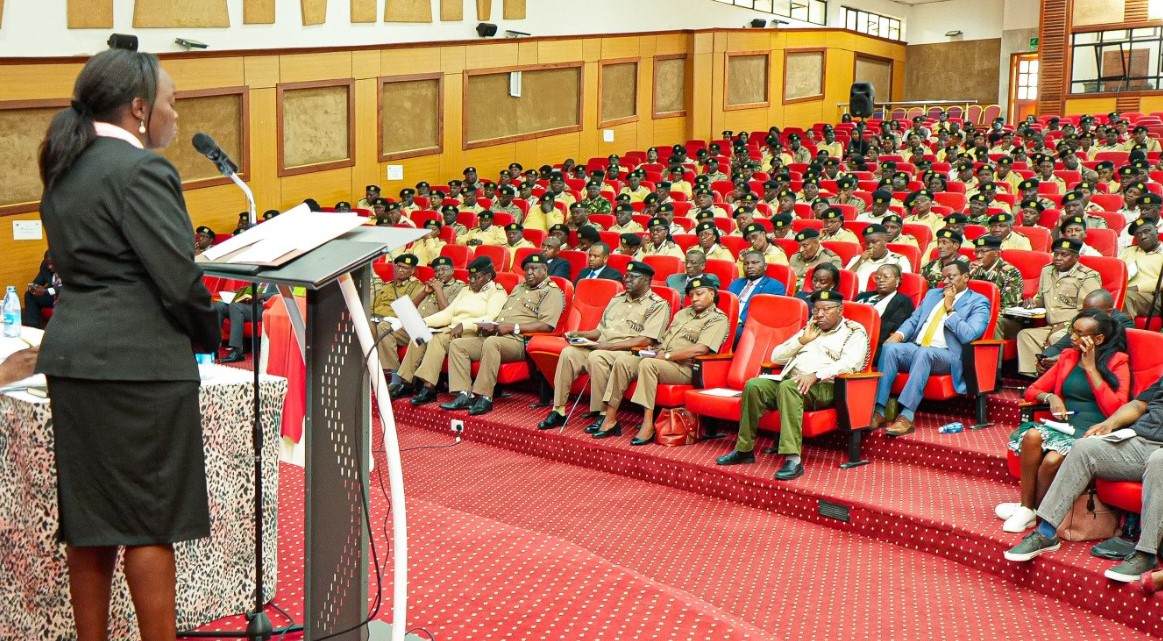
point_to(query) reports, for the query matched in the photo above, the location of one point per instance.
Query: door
(1023, 85)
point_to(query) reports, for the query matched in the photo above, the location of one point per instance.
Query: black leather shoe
(774, 449)
(790, 471)
(593, 428)
(462, 402)
(591, 415)
(426, 395)
(613, 431)
(735, 458)
(553, 420)
(233, 355)
(480, 405)
(642, 441)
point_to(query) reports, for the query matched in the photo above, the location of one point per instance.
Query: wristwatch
(516, 329)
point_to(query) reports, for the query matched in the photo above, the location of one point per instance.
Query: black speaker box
(486, 30)
(860, 100)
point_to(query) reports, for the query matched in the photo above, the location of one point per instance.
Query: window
(873, 24)
(1027, 81)
(813, 11)
(1116, 60)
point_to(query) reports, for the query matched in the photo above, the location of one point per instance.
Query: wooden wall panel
(877, 71)
(954, 70)
(314, 11)
(803, 74)
(363, 11)
(618, 95)
(747, 79)
(408, 11)
(222, 113)
(484, 10)
(452, 10)
(22, 128)
(258, 11)
(87, 14)
(316, 124)
(514, 10)
(549, 101)
(1093, 12)
(1053, 48)
(180, 13)
(411, 116)
(670, 92)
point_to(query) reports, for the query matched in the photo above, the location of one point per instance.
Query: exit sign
(1033, 43)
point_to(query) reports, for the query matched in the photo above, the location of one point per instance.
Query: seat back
(785, 275)
(499, 254)
(671, 296)
(848, 285)
(770, 321)
(915, 287)
(846, 251)
(619, 262)
(567, 293)
(1105, 241)
(519, 255)
(993, 295)
(460, 255)
(867, 316)
(1113, 272)
(578, 260)
(1145, 350)
(590, 298)
(664, 266)
(1039, 237)
(725, 270)
(1030, 264)
(508, 280)
(909, 252)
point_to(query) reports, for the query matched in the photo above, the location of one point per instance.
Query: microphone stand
(258, 623)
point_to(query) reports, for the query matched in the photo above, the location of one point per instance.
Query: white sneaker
(1022, 519)
(1006, 510)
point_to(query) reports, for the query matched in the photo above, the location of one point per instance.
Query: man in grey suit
(696, 264)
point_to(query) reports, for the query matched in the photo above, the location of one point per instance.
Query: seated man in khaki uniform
(811, 253)
(696, 330)
(537, 304)
(482, 299)
(1061, 289)
(432, 297)
(404, 284)
(812, 358)
(634, 319)
(485, 233)
(1144, 261)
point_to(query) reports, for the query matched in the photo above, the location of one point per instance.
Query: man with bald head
(1099, 299)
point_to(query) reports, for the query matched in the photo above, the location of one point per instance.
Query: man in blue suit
(929, 343)
(754, 281)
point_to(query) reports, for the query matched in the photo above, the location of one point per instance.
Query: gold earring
(141, 128)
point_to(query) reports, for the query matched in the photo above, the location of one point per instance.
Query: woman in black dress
(119, 354)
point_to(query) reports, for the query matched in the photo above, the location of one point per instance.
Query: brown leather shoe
(878, 421)
(901, 426)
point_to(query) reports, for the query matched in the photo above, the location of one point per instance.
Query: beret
(480, 264)
(1069, 244)
(536, 259)
(987, 242)
(441, 261)
(807, 234)
(639, 267)
(950, 234)
(407, 259)
(829, 295)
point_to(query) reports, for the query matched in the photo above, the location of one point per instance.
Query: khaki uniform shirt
(475, 209)
(468, 307)
(668, 248)
(638, 195)
(932, 220)
(717, 176)
(1062, 294)
(680, 186)
(858, 203)
(1016, 240)
(689, 329)
(844, 350)
(626, 318)
(803, 267)
(430, 306)
(718, 252)
(494, 235)
(631, 227)
(773, 255)
(537, 219)
(588, 223)
(544, 303)
(842, 236)
(834, 149)
(1142, 267)
(512, 209)
(391, 291)
(564, 197)
(868, 267)
(427, 249)
(801, 155)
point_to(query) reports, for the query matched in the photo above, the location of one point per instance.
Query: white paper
(227, 297)
(723, 391)
(410, 318)
(1065, 428)
(8, 347)
(299, 229)
(1119, 435)
(1025, 312)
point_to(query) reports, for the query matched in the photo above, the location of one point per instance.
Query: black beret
(640, 268)
(1150, 199)
(752, 228)
(1029, 183)
(807, 234)
(828, 295)
(956, 218)
(779, 221)
(485, 214)
(1138, 224)
(202, 229)
(514, 227)
(536, 259)
(832, 213)
(1072, 220)
(433, 223)
(1069, 244)
(623, 207)
(372, 188)
(1032, 203)
(588, 232)
(706, 281)
(440, 261)
(1001, 218)
(547, 197)
(1071, 196)
(707, 225)
(407, 259)
(987, 242)
(658, 221)
(874, 228)
(469, 170)
(882, 196)
(449, 208)
(507, 190)
(950, 234)
(631, 239)
(481, 264)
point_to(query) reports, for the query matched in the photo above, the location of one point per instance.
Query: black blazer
(135, 308)
(559, 267)
(898, 311)
(606, 272)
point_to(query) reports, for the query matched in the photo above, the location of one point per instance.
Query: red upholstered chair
(578, 260)
(1108, 202)
(509, 280)
(589, 303)
(915, 287)
(672, 298)
(1106, 241)
(770, 321)
(1030, 263)
(909, 252)
(737, 244)
(619, 262)
(1145, 349)
(980, 363)
(460, 255)
(785, 275)
(664, 266)
(1113, 272)
(846, 251)
(725, 270)
(519, 255)
(499, 254)
(685, 241)
(923, 234)
(1039, 237)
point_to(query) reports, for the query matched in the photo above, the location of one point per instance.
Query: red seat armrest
(856, 398)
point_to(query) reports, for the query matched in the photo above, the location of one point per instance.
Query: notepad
(723, 391)
(1119, 435)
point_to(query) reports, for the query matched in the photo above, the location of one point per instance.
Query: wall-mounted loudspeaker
(860, 100)
(758, 23)
(486, 30)
(122, 41)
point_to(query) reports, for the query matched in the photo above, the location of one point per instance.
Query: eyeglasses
(826, 309)
(1075, 332)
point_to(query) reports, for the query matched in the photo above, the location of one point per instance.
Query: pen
(1068, 413)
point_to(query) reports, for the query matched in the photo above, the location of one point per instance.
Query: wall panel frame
(424, 143)
(315, 112)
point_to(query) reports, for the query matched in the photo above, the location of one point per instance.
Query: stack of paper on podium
(283, 238)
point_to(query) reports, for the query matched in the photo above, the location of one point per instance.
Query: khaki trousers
(649, 372)
(1034, 341)
(425, 361)
(389, 356)
(576, 360)
(1137, 304)
(491, 352)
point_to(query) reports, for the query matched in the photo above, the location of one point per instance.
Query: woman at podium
(119, 353)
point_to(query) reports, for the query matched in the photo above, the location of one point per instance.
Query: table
(215, 575)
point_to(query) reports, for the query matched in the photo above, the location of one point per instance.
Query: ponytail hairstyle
(108, 83)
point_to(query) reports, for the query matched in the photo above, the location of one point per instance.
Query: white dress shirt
(939, 335)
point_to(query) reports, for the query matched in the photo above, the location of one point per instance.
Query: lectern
(337, 346)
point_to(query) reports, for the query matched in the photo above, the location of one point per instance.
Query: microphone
(206, 146)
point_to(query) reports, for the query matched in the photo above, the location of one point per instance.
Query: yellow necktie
(931, 331)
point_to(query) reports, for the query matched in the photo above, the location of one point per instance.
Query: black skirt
(130, 464)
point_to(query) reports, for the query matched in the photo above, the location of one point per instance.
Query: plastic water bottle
(11, 313)
(951, 428)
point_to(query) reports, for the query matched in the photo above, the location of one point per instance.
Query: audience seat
(1114, 275)
(589, 303)
(725, 270)
(671, 296)
(578, 260)
(500, 256)
(785, 275)
(914, 286)
(1039, 237)
(664, 266)
(460, 255)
